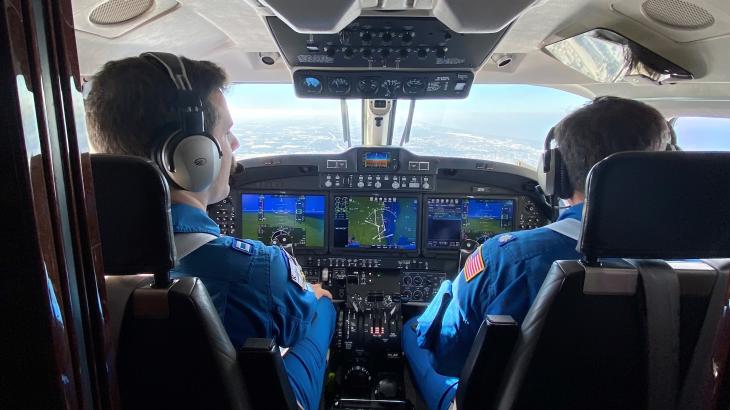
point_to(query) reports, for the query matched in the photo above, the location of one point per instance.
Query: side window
(703, 133)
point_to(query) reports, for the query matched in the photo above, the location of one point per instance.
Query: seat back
(580, 349)
(172, 349)
(596, 336)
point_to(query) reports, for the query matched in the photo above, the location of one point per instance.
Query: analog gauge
(339, 85)
(311, 85)
(368, 86)
(390, 87)
(414, 86)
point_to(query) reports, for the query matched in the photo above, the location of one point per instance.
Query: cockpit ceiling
(232, 33)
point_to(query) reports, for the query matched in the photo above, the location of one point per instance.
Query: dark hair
(605, 126)
(131, 103)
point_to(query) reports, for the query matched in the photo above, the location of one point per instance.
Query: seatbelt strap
(700, 366)
(187, 243)
(567, 227)
(661, 296)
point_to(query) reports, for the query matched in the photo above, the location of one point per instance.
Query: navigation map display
(266, 216)
(452, 220)
(375, 222)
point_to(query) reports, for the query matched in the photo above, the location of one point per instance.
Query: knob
(407, 37)
(441, 52)
(328, 183)
(395, 185)
(348, 53)
(422, 53)
(403, 52)
(447, 36)
(378, 184)
(330, 51)
(385, 53)
(386, 389)
(387, 37)
(367, 53)
(426, 185)
(365, 36)
(357, 379)
(360, 184)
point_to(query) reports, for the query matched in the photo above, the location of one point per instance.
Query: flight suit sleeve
(449, 325)
(294, 304)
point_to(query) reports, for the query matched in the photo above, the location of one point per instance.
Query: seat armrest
(483, 370)
(266, 379)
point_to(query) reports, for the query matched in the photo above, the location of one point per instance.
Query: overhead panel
(375, 57)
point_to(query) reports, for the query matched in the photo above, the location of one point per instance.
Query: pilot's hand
(319, 292)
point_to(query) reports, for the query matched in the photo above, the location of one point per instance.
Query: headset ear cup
(194, 162)
(545, 173)
(563, 187)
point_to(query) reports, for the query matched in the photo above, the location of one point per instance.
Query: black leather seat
(608, 333)
(172, 350)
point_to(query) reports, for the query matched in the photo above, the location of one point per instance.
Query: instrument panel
(381, 228)
(379, 208)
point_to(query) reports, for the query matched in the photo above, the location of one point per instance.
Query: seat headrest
(133, 206)
(658, 205)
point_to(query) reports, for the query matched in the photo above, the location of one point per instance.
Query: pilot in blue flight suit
(504, 274)
(258, 290)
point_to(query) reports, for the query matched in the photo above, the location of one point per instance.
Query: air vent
(678, 14)
(119, 11)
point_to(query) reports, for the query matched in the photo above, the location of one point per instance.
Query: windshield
(505, 123)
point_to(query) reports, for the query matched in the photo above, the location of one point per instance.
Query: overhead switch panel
(385, 43)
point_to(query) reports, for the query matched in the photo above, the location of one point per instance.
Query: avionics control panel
(398, 42)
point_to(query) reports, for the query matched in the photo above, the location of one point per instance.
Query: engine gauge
(368, 86)
(414, 86)
(339, 85)
(390, 87)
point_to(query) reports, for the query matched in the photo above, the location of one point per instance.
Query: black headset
(552, 172)
(187, 154)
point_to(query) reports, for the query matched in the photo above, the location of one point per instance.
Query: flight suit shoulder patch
(474, 265)
(505, 239)
(242, 246)
(295, 270)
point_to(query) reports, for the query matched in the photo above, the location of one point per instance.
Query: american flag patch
(474, 265)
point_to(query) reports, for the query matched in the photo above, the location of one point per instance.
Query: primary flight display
(301, 217)
(453, 220)
(375, 222)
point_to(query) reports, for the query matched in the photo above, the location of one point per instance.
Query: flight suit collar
(188, 219)
(575, 212)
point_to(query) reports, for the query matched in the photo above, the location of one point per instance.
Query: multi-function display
(453, 220)
(301, 217)
(375, 222)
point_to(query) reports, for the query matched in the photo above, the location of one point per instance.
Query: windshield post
(409, 123)
(345, 113)
(378, 117)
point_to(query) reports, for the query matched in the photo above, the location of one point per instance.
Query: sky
(512, 120)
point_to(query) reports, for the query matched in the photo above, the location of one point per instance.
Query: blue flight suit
(504, 281)
(258, 292)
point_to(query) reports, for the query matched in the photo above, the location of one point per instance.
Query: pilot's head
(603, 127)
(129, 107)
